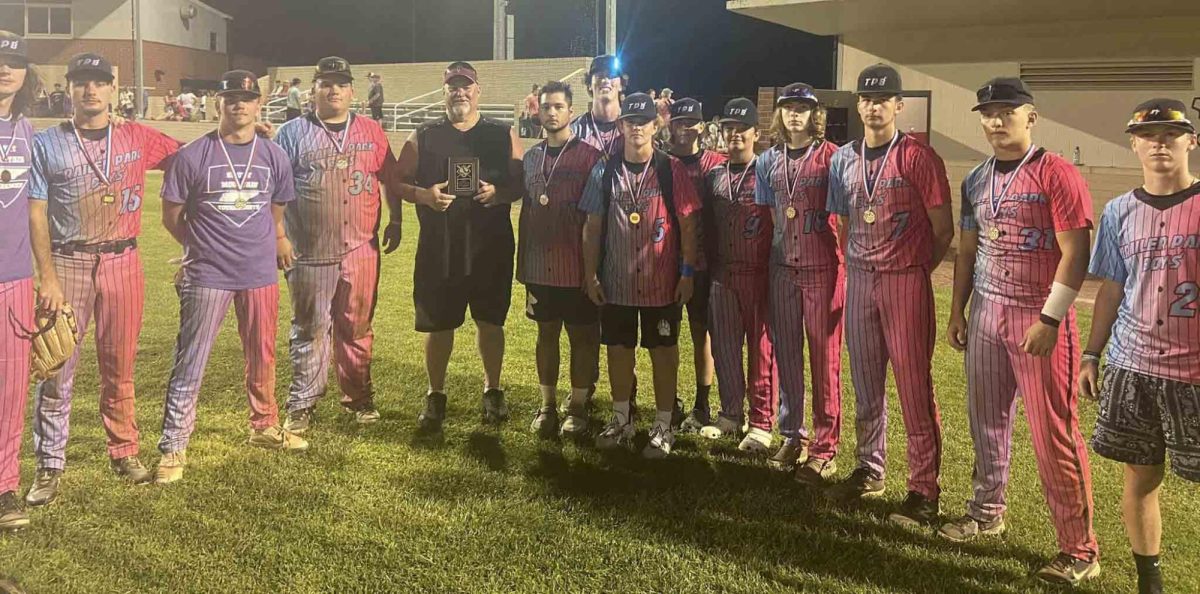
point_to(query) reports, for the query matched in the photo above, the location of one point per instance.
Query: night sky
(696, 47)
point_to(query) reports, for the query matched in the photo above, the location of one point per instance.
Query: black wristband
(1049, 321)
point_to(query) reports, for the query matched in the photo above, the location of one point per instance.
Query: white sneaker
(662, 439)
(757, 442)
(723, 427)
(615, 435)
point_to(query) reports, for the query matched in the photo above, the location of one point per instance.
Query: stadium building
(1088, 61)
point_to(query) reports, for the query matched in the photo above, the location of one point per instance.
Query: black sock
(1149, 574)
(702, 397)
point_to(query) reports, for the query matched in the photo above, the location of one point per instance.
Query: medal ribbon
(640, 180)
(100, 173)
(606, 144)
(240, 182)
(869, 189)
(997, 201)
(729, 185)
(787, 166)
(338, 144)
(11, 141)
(553, 165)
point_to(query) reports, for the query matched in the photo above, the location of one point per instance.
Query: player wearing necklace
(598, 127)
(223, 201)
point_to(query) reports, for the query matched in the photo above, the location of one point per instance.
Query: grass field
(377, 510)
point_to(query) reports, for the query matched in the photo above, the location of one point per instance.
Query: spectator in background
(663, 105)
(375, 97)
(187, 105)
(204, 106)
(293, 100)
(58, 101)
(529, 114)
(145, 102)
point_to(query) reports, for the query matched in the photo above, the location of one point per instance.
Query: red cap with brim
(460, 72)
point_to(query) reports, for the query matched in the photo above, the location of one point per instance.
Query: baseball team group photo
(549, 325)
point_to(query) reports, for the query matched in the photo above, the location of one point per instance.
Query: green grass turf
(375, 509)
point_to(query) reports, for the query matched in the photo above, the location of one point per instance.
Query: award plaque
(464, 176)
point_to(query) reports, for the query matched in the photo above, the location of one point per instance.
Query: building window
(212, 41)
(48, 20)
(13, 15)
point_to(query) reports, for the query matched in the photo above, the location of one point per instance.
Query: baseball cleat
(615, 435)
(861, 484)
(815, 472)
(1068, 570)
(966, 528)
(916, 511)
(131, 469)
(12, 515)
(365, 415)
(792, 452)
(494, 409)
(660, 444)
(430, 419)
(277, 438)
(45, 487)
(170, 467)
(298, 421)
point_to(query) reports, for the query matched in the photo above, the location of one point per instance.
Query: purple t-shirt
(229, 234)
(16, 261)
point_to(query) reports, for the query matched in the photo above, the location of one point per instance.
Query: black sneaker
(45, 487)
(916, 511)
(494, 408)
(430, 419)
(861, 484)
(298, 421)
(12, 515)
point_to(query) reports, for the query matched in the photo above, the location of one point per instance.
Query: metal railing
(398, 117)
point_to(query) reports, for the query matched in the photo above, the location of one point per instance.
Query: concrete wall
(113, 19)
(954, 62)
(175, 62)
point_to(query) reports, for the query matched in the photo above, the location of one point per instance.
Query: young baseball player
(18, 85)
(87, 185)
(1022, 256)
(598, 127)
(893, 198)
(223, 201)
(807, 283)
(639, 263)
(1148, 253)
(550, 261)
(741, 249)
(339, 162)
(687, 122)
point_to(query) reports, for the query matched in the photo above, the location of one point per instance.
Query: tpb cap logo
(687, 108)
(638, 105)
(739, 111)
(876, 81)
(10, 44)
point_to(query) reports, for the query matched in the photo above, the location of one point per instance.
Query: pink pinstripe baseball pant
(16, 305)
(110, 288)
(737, 315)
(333, 303)
(201, 312)
(808, 304)
(997, 370)
(890, 317)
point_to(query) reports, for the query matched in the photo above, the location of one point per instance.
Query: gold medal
(543, 200)
(5, 176)
(791, 212)
(240, 203)
(994, 233)
(342, 163)
(869, 216)
(635, 218)
(108, 199)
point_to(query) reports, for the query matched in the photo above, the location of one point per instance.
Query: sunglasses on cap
(1158, 115)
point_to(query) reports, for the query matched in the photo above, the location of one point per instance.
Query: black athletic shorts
(1142, 418)
(544, 303)
(441, 303)
(659, 325)
(697, 306)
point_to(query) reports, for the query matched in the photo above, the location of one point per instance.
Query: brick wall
(176, 62)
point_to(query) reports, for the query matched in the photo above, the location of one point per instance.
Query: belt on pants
(106, 247)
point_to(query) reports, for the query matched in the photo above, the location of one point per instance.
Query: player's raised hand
(285, 257)
(956, 332)
(391, 237)
(1039, 339)
(487, 194)
(595, 292)
(1089, 379)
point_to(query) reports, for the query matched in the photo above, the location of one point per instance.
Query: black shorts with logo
(1143, 417)
(544, 303)
(660, 325)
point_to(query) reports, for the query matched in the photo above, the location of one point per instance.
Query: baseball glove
(54, 341)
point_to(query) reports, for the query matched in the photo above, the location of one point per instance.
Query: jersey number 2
(1185, 306)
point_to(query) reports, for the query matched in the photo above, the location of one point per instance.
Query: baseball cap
(687, 109)
(608, 65)
(879, 79)
(83, 64)
(1160, 112)
(239, 81)
(797, 92)
(463, 69)
(14, 45)
(740, 111)
(333, 67)
(1006, 90)
(638, 106)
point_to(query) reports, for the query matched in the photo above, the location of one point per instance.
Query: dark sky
(696, 47)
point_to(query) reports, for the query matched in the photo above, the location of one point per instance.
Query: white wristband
(1059, 302)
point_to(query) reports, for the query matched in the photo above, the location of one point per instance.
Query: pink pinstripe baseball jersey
(888, 215)
(82, 208)
(698, 166)
(1151, 244)
(641, 259)
(550, 250)
(796, 187)
(337, 170)
(605, 136)
(1016, 218)
(744, 230)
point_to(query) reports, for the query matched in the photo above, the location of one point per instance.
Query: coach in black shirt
(465, 249)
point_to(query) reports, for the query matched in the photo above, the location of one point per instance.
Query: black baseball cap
(608, 65)
(460, 69)
(239, 81)
(638, 106)
(879, 79)
(1006, 90)
(89, 64)
(687, 109)
(1160, 112)
(740, 110)
(797, 92)
(333, 67)
(14, 45)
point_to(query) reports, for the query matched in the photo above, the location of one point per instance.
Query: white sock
(548, 396)
(621, 411)
(663, 418)
(579, 396)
